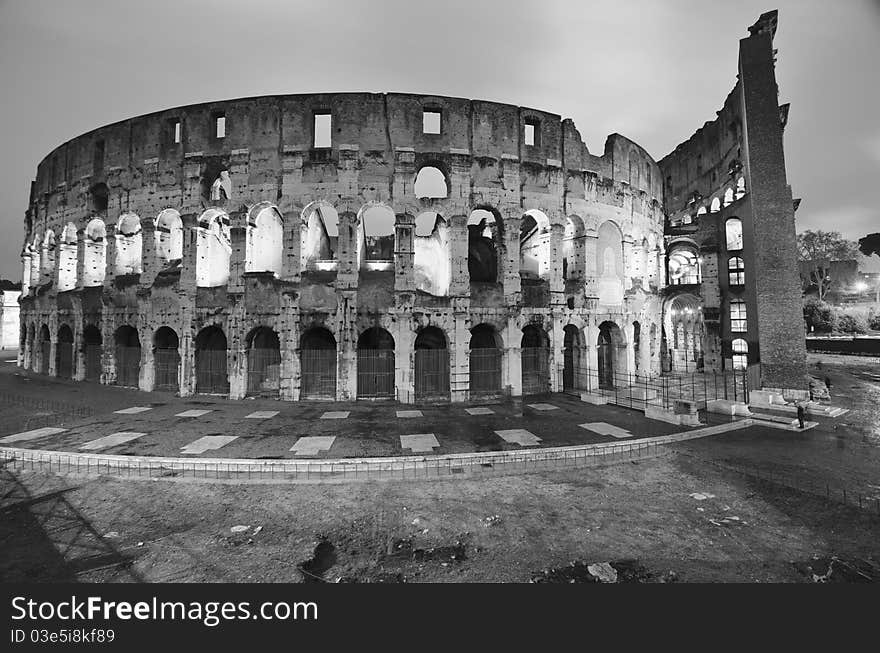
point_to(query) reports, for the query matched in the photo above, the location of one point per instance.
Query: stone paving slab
(111, 440)
(519, 436)
(604, 428)
(193, 413)
(262, 414)
(336, 414)
(134, 410)
(409, 413)
(419, 442)
(313, 444)
(543, 406)
(208, 443)
(479, 411)
(33, 435)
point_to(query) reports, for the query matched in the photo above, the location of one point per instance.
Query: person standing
(801, 414)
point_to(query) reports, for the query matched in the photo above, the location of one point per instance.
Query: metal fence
(535, 370)
(211, 374)
(318, 373)
(46, 351)
(375, 373)
(48, 412)
(128, 365)
(485, 371)
(64, 366)
(636, 390)
(166, 363)
(431, 373)
(92, 354)
(264, 371)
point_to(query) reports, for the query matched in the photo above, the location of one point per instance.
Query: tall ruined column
(147, 373)
(511, 278)
(289, 342)
(80, 258)
(236, 353)
(557, 343)
(459, 360)
(291, 254)
(404, 340)
(149, 260)
(110, 248)
(347, 274)
(557, 281)
(187, 291)
(238, 236)
(512, 365)
(404, 255)
(458, 245)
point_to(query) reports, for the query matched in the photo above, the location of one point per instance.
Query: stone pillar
(186, 347)
(110, 253)
(511, 279)
(147, 373)
(150, 263)
(458, 245)
(80, 258)
(404, 255)
(291, 254)
(512, 364)
(108, 349)
(404, 339)
(557, 281)
(238, 234)
(53, 352)
(346, 346)
(347, 275)
(236, 359)
(557, 357)
(190, 253)
(459, 362)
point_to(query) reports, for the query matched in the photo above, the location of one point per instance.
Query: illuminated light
(378, 265)
(861, 286)
(326, 266)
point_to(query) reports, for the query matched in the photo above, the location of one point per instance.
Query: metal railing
(64, 364)
(166, 364)
(211, 373)
(535, 370)
(375, 373)
(485, 371)
(128, 366)
(263, 372)
(92, 354)
(318, 373)
(431, 374)
(49, 412)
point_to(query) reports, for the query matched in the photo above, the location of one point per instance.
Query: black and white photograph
(404, 292)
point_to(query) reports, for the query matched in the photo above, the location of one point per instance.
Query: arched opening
(431, 364)
(432, 257)
(375, 364)
(129, 245)
(212, 376)
(683, 265)
(376, 238)
(128, 356)
(572, 356)
(535, 354)
(733, 232)
(263, 363)
(609, 354)
(534, 245)
(67, 259)
(485, 242)
(95, 253)
(740, 188)
(637, 345)
(685, 324)
(264, 244)
(318, 364)
(47, 256)
(430, 183)
(320, 238)
(213, 249)
(166, 359)
(728, 197)
(64, 353)
(92, 350)
(609, 261)
(715, 206)
(169, 238)
(485, 360)
(45, 349)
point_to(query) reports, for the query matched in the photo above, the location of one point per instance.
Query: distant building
(9, 294)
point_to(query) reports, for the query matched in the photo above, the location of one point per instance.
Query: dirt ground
(671, 518)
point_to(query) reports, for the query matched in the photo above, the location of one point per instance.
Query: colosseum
(412, 247)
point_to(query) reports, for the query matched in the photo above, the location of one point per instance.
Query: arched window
(738, 323)
(214, 248)
(573, 249)
(94, 254)
(715, 206)
(166, 359)
(169, 237)
(128, 356)
(376, 236)
(736, 271)
(320, 238)
(701, 210)
(431, 373)
(609, 263)
(67, 259)
(734, 234)
(317, 364)
(534, 245)
(432, 260)
(47, 256)
(740, 354)
(430, 183)
(263, 362)
(684, 266)
(485, 240)
(740, 188)
(129, 245)
(264, 243)
(485, 360)
(375, 364)
(211, 361)
(728, 197)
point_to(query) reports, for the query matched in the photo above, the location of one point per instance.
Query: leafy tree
(869, 245)
(818, 249)
(820, 316)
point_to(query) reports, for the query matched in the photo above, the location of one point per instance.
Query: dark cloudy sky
(653, 70)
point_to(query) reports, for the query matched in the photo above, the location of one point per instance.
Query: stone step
(778, 419)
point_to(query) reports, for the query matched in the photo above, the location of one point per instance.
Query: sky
(652, 70)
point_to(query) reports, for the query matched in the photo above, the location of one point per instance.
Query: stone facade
(9, 319)
(232, 247)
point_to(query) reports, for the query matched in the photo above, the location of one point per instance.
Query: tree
(818, 249)
(869, 245)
